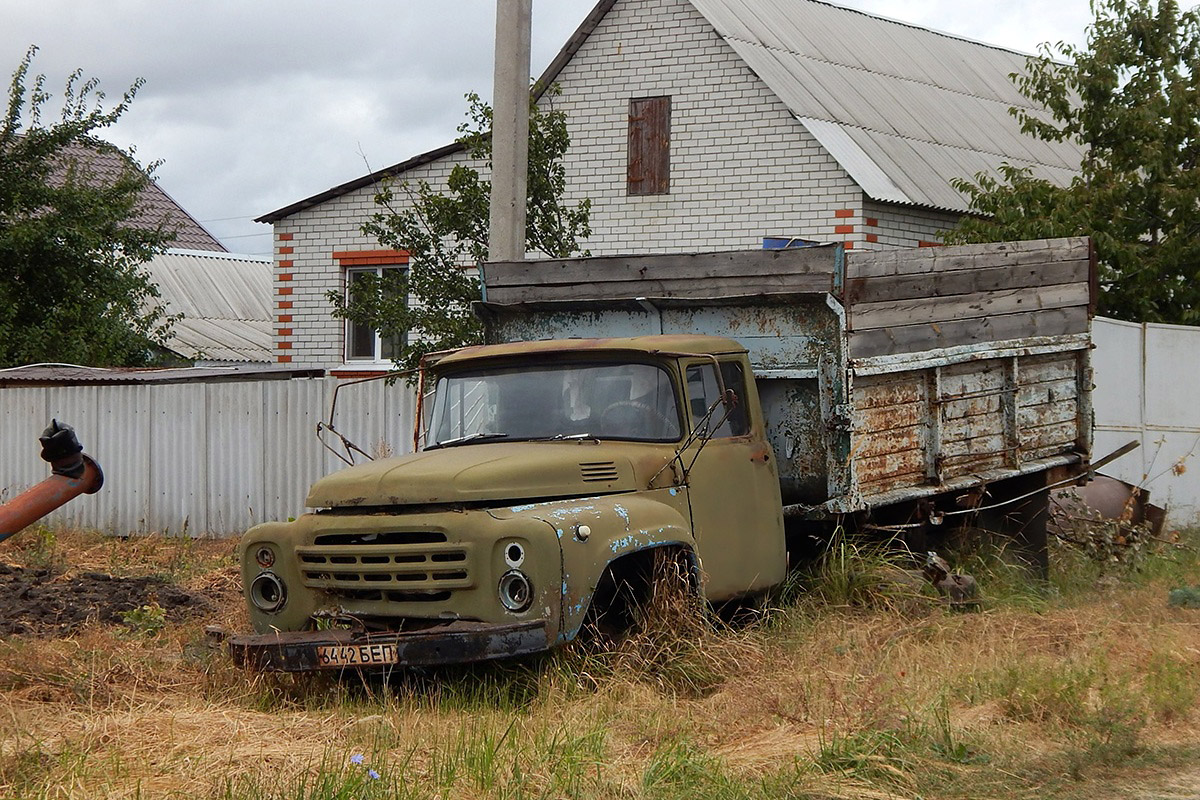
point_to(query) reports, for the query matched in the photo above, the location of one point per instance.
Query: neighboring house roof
(105, 162)
(903, 109)
(225, 300)
(73, 374)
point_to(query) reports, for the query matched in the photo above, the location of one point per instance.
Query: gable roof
(104, 162)
(225, 300)
(903, 109)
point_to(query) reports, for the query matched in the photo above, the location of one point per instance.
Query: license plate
(356, 655)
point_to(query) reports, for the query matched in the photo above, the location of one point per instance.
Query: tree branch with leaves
(427, 306)
(72, 287)
(1131, 97)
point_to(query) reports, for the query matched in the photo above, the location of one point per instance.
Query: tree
(1131, 97)
(71, 288)
(427, 307)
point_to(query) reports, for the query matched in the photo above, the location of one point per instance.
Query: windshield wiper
(470, 437)
(562, 437)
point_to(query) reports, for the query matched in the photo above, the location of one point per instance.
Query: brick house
(710, 125)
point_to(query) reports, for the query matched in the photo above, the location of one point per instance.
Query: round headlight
(268, 593)
(516, 593)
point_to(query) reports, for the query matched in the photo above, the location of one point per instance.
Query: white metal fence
(205, 458)
(215, 458)
(1148, 388)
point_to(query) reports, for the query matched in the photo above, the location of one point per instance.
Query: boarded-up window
(649, 145)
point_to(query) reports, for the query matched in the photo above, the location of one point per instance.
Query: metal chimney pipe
(510, 131)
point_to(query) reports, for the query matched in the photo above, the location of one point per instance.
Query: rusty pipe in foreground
(73, 474)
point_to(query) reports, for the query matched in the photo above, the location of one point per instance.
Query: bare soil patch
(41, 603)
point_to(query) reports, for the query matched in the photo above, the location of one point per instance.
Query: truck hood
(479, 472)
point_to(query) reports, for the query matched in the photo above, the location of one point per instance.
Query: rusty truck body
(723, 408)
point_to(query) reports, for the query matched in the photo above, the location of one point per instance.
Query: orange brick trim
(284, 359)
(286, 237)
(370, 258)
(285, 290)
(284, 332)
(843, 229)
(871, 237)
(283, 251)
(848, 245)
(284, 304)
(928, 244)
(871, 222)
(284, 318)
(284, 346)
(285, 263)
(285, 276)
(350, 374)
(842, 213)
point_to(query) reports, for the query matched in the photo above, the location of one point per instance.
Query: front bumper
(339, 649)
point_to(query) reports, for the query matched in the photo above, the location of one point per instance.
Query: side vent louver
(598, 471)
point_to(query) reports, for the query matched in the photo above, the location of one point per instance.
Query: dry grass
(1090, 694)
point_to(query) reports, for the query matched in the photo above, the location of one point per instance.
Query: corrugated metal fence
(205, 458)
(1147, 385)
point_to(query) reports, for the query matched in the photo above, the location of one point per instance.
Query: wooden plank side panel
(888, 390)
(882, 473)
(967, 281)
(865, 316)
(893, 440)
(961, 429)
(1031, 416)
(867, 264)
(699, 275)
(1049, 367)
(1050, 392)
(929, 336)
(1060, 437)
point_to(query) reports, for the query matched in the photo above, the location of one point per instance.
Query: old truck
(722, 408)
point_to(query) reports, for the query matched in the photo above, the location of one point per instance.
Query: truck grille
(395, 566)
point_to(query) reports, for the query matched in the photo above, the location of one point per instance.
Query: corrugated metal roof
(105, 163)
(903, 109)
(60, 374)
(225, 301)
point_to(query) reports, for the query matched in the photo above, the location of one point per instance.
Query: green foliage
(445, 234)
(1131, 97)
(72, 288)
(147, 620)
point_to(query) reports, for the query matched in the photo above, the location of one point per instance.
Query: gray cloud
(253, 105)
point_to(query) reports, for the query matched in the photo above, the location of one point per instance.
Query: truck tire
(1021, 525)
(633, 584)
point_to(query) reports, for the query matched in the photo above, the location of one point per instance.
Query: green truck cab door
(733, 486)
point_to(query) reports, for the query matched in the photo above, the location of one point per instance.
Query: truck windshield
(629, 401)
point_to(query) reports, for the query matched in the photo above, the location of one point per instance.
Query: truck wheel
(636, 587)
(1021, 524)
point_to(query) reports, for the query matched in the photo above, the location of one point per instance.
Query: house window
(363, 343)
(649, 146)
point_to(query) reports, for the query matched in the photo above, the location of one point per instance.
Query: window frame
(351, 329)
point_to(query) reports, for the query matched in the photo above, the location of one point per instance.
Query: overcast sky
(251, 106)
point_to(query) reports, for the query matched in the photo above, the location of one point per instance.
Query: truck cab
(546, 469)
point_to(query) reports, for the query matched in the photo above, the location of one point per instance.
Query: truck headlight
(516, 593)
(267, 592)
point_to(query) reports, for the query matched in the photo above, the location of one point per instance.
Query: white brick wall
(741, 168)
(902, 226)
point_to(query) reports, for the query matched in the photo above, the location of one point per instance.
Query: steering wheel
(645, 411)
